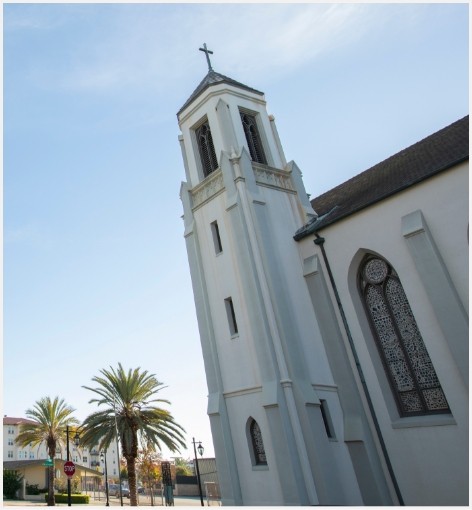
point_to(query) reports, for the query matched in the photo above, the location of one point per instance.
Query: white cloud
(261, 38)
(153, 45)
(138, 49)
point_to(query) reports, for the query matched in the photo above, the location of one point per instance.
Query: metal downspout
(319, 241)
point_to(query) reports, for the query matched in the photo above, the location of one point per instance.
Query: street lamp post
(200, 451)
(118, 453)
(102, 457)
(94, 454)
(76, 442)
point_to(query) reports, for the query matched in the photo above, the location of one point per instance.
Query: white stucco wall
(221, 272)
(259, 484)
(428, 453)
(279, 343)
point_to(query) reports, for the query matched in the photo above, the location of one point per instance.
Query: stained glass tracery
(408, 366)
(257, 443)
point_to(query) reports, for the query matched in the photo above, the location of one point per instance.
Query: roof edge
(213, 78)
(328, 218)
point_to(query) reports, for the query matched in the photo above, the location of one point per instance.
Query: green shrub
(75, 484)
(32, 490)
(75, 499)
(60, 484)
(12, 481)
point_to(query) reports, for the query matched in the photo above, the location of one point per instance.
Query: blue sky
(95, 267)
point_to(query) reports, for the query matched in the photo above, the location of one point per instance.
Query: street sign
(48, 463)
(69, 468)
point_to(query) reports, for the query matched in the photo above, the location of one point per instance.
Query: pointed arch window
(407, 364)
(206, 148)
(253, 137)
(260, 458)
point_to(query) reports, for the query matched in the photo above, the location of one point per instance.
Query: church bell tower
(273, 415)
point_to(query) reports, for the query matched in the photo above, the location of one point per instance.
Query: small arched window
(206, 148)
(257, 443)
(408, 366)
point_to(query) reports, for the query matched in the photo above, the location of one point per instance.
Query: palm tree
(49, 421)
(130, 412)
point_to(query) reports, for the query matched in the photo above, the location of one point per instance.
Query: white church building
(334, 332)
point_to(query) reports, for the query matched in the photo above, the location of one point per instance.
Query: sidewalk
(95, 502)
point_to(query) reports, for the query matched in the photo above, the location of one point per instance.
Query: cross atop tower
(207, 51)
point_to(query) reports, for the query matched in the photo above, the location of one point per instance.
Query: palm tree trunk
(51, 500)
(131, 465)
(52, 455)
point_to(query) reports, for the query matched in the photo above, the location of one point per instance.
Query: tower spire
(207, 51)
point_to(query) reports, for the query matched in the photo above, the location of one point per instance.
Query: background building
(89, 459)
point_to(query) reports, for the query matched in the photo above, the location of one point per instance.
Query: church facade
(334, 332)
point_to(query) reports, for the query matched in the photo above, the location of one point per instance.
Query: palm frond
(130, 402)
(50, 418)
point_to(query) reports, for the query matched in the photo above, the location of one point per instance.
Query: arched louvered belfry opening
(406, 361)
(253, 138)
(206, 148)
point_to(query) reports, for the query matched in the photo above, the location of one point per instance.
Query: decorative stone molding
(264, 175)
(208, 188)
(273, 178)
(242, 391)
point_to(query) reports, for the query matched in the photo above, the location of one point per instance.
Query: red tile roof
(8, 420)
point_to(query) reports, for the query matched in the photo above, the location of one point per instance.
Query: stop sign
(69, 468)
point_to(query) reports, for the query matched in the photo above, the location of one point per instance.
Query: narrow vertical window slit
(215, 231)
(326, 419)
(233, 325)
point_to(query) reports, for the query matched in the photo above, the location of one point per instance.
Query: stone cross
(207, 51)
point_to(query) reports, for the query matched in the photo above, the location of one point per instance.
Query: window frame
(260, 137)
(204, 170)
(327, 421)
(362, 285)
(215, 232)
(231, 315)
(255, 452)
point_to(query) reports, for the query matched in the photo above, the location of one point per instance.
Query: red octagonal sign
(69, 468)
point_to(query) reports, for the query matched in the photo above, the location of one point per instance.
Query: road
(95, 502)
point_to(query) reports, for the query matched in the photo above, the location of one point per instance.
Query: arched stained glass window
(206, 148)
(257, 443)
(407, 363)
(253, 138)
